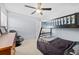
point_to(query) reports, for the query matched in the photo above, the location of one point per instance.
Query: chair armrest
(70, 51)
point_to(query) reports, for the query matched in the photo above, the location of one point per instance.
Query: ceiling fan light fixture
(38, 11)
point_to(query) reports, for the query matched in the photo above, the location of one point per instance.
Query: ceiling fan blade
(46, 8)
(33, 12)
(30, 6)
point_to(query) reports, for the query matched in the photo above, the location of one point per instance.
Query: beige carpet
(28, 47)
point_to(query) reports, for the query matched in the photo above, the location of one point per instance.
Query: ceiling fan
(38, 9)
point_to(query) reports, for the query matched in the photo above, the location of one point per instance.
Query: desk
(7, 44)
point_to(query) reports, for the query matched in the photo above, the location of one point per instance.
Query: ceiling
(58, 9)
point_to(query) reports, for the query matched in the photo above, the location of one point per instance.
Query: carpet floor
(28, 47)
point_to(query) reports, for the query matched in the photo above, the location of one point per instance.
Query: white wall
(67, 33)
(18, 21)
(25, 25)
(62, 9)
(3, 15)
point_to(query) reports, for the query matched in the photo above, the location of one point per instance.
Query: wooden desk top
(7, 40)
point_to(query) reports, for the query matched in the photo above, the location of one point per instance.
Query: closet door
(62, 21)
(68, 19)
(73, 19)
(65, 20)
(3, 19)
(0, 16)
